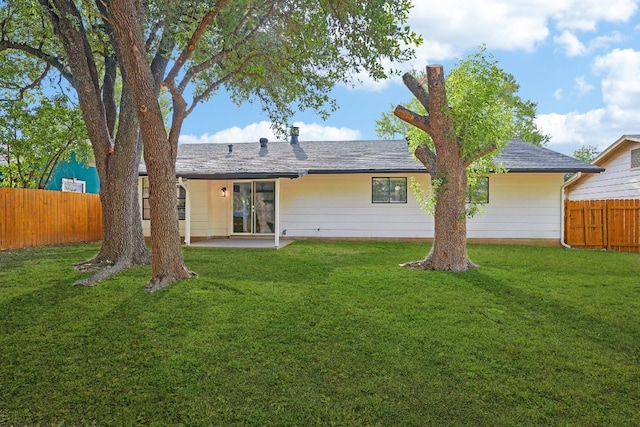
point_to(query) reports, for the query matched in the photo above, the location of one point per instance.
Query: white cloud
(570, 44)
(450, 28)
(603, 42)
(619, 116)
(620, 84)
(574, 128)
(453, 26)
(255, 131)
(582, 86)
(558, 94)
(599, 127)
(585, 14)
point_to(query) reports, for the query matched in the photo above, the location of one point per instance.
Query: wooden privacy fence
(603, 224)
(41, 217)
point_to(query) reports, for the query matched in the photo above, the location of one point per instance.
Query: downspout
(187, 212)
(563, 219)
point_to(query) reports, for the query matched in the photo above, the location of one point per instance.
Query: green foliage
(35, 137)
(586, 153)
(485, 106)
(486, 112)
(321, 334)
(291, 55)
(284, 55)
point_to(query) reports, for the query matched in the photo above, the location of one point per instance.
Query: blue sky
(578, 59)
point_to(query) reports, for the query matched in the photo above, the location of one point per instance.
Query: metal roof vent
(295, 132)
(231, 148)
(263, 142)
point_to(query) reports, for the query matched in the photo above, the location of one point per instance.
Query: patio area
(241, 242)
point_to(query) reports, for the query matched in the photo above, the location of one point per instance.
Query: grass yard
(324, 334)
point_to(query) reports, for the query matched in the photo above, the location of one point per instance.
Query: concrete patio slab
(240, 242)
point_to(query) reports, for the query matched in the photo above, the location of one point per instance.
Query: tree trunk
(448, 176)
(116, 160)
(166, 253)
(123, 239)
(449, 250)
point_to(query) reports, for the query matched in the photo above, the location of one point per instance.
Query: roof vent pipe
(231, 148)
(263, 142)
(295, 132)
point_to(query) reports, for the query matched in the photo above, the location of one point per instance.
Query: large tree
(67, 51)
(461, 122)
(283, 54)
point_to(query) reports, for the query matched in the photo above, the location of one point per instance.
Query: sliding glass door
(254, 209)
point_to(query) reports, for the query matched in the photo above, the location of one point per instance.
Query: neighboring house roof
(615, 148)
(620, 145)
(282, 159)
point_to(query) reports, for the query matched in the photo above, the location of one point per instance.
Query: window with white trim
(388, 190)
(181, 195)
(635, 158)
(73, 185)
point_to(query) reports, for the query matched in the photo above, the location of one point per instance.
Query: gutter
(562, 221)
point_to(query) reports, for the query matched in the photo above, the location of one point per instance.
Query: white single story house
(352, 189)
(620, 179)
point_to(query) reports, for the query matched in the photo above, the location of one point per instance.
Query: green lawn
(324, 334)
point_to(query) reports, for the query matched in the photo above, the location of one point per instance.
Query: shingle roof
(521, 156)
(282, 159)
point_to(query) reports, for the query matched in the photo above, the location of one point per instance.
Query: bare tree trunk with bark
(447, 168)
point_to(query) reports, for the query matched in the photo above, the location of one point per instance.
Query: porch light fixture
(224, 191)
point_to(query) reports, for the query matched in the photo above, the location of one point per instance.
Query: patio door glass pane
(254, 208)
(242, 207)
(264, 207)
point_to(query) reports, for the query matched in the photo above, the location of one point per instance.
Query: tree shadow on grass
(568, 317)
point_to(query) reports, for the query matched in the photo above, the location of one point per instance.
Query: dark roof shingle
(282, 159)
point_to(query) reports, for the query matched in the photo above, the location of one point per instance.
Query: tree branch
(217, 58)
(108, 91)
(417, 89)
(37, 53)
(214, 86)
(415, 119)
(480, 152)
(193, 40)
(427, 158)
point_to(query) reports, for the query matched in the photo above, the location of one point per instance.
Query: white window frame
(181, 200)
(389, 200)
(71, 185)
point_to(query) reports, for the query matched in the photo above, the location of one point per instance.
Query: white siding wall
(521, 206)
(219, 209)
(618, 181)
(209, 210)
(340, 206)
